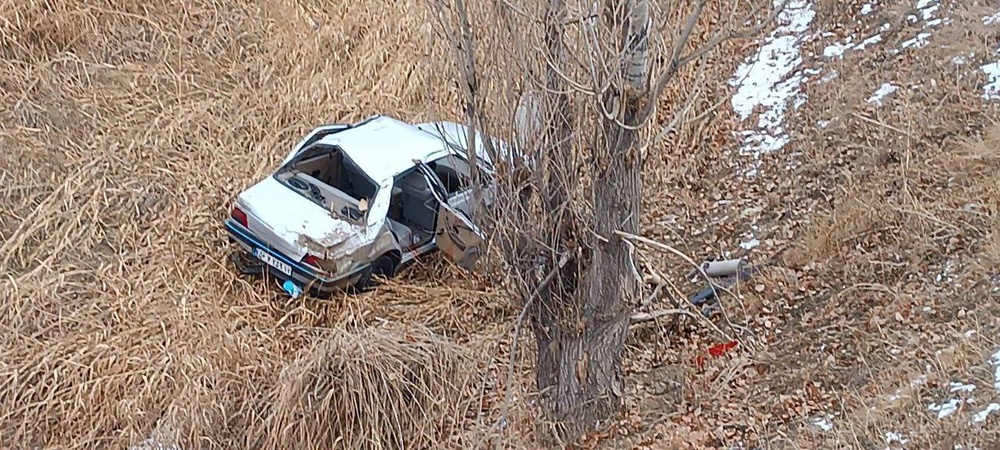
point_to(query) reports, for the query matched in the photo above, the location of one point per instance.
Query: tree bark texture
(580, 336)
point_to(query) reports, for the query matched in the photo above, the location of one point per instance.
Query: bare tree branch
(677, 61)
(639, 318)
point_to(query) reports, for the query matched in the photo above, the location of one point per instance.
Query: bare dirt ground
(128, 127)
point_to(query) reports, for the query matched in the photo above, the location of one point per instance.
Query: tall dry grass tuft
(372, 389)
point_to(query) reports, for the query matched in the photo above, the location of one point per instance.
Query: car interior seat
(418, 207)
(449, 177)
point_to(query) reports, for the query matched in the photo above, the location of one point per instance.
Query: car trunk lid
(292, 223)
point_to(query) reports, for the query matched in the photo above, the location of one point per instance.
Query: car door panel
(458, 238)
(455, 233)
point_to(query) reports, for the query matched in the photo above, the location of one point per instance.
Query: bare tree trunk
(580, 350)
(575, 272)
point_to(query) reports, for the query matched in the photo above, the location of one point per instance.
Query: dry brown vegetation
(372, 388)
(127, 127)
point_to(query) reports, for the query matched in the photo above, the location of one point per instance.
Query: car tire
(384, 266)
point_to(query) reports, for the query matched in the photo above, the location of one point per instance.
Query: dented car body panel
(352, 200)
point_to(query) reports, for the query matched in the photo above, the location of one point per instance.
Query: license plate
(272, 261)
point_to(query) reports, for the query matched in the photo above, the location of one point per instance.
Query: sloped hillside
(855, 148)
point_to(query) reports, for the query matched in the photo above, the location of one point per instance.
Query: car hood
(296, 225)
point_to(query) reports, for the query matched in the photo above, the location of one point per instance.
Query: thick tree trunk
(580, 347)
(579, 369)
(579, 364)
(581, 322)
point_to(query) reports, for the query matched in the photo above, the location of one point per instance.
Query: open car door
(455, 233)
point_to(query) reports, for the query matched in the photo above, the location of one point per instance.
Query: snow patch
(926, 9)
(894, 437)
(870, 41)
(823, 423)
(990, 20)
(834, 50)
(749, 244)
(945, 409)
(992, 89)
(868, 8)
(917, 42)
(884, 90)
(770, 80)
(961, 387)
(982, 415)
(837, 50)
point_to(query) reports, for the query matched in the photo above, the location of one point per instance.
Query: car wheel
(384, 266)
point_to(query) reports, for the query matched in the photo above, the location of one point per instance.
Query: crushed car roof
(385, 147)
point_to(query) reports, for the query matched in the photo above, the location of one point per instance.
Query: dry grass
(375, 388)
(128, 127)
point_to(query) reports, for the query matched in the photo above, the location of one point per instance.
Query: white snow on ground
(945, 409)
(949, 407)
(868, 8)
(992, 89)
(894, 437)
(961, 387)
(919, 41)
(926, 10)
(823, 423)
(982, 415)
(881, 93)
(749, 244)
(992, 407)
(837, 50)
(767, 82)
(771, 78)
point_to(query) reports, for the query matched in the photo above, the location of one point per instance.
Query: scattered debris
(291, 288)
(716, 351)
(724, 282)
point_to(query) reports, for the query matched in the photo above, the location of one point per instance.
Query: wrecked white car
(352, 201)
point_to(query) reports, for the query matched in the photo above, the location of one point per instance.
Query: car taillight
(240, 216)
(313, 260)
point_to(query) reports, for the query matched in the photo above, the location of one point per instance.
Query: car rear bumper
(305, 277)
